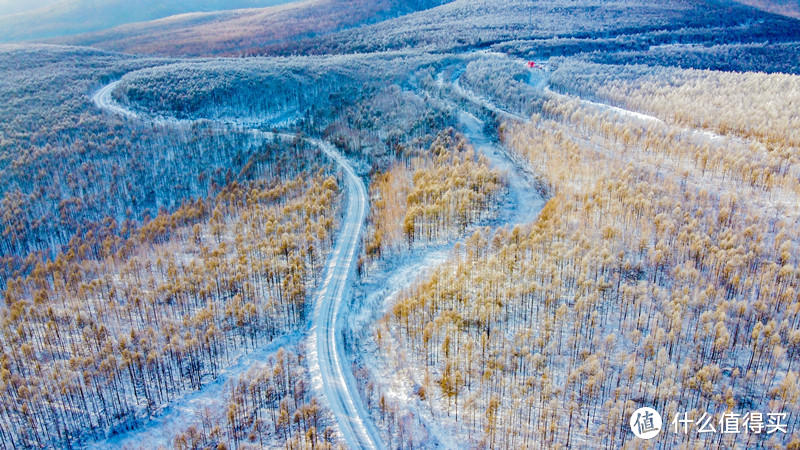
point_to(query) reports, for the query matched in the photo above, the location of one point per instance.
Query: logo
(646, 423)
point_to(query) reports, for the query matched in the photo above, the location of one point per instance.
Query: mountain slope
(467, 23)
(239, 32)
(67, 17)
(789, 8)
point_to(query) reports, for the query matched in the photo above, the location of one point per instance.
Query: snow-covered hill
(45, 19)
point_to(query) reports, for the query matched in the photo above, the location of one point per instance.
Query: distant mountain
(789, 8)
(40, 19)
(245, 31)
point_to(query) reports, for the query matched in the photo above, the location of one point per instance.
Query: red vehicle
(531, 64)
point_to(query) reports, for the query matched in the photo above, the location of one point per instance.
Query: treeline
(109, 331)
(269, 406)
(773, 56)
(643, 282)
(430, 195)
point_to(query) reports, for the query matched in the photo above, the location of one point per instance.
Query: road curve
(103, 100)
(338, 383)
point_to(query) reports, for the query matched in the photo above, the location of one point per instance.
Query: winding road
(331, 365)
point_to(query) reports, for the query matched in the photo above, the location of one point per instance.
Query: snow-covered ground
(158, 431)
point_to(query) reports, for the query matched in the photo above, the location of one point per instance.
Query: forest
(662, 271)
(156, 258)
(269, 406)
(108, 330)
(754, 106)
(365, 104)
(428, 224)
(541, 27)
(430, 195)
(197, 241)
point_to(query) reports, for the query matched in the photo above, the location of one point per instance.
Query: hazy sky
(15, 6)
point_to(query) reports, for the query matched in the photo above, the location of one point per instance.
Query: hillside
(656, 274)
(786, 7)
(466, 24)
(241, 31)
(718, 35)
(42, 20)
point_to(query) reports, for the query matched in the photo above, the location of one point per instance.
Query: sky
(17, 6)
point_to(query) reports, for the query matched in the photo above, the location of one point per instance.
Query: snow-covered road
(337, 381)
(332, 377)
(103, 100)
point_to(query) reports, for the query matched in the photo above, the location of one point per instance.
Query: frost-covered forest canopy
(460, 224)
